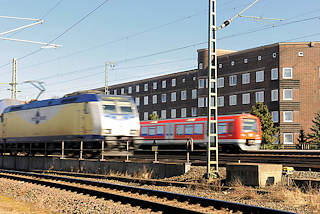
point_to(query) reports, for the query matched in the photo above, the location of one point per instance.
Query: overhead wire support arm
(37, 84)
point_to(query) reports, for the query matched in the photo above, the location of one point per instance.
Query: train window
(160, 131)
(109, 109)
(198, 129)
(152, 131)
(222, 128)
(230, 127)
(125, 109)
(249, 125)
(179, 129)
(189, 130)
(144, 131)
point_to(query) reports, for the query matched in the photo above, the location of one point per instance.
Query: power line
(51, 9)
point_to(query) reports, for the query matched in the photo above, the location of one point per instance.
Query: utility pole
(106, 86)
(14, 79)
(212, 113)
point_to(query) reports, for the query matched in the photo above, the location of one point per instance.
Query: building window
(164, 83)
(194, 94)
(274, 95)
(246, 98)
(232, 63)
(246, 78)
(183, 95)
(274, 55)
(122, 90)
(146, 87)
(183, 80)
(145, 100)
(193, 111)
(184, 112)
(201, 102)
(137, 101)
(154, 99)
(233, 80)
(245, 60)
(173, 82)
(137, 88)
(115, 91)
(259, 58)
(274, 74)
(287, 94)
(129, 90)
(288, 116)
(163, 114)
(259, 76)
(300, 54)
(275, 116)
(173, 96)
(163, 98)
(220, 65)
(173, 113)
(145, 115)
(232, 100)
(260, 96)
(155, 85)
(201, 83)
(200, 65)
(220, 101)
(287, 138)
(220, 82)
(287, 73)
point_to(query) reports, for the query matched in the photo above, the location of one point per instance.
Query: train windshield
(117, 108)
(249, 125)
(109, 109)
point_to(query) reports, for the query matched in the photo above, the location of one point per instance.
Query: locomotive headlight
(107, 131)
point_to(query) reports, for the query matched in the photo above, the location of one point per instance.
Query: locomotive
(240, 132)
(88, 117)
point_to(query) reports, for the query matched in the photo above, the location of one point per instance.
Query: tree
(270, 133)
(302, 139)
(314, 136)
(154, 116)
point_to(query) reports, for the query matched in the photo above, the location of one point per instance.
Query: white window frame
(163, 98)
(259, 58)
(122, 91)
(275, 116)
(220, 101)
(115, 91)
(274, 95)
(220, 82)
(173, 113)
(287, 114)
(245, 61)
(200, 65)
(245, 78)
(137, 88)
(233, 80)
(284, 138)
(246, 98)
(163, 114)
(274, 73)
(220, 65)
(201, 83)
(286, 71)
(164, 83)
(154, 85)
(154, 99)
(259, 76)
(232, 100)
(201, 102)
(173, 96)
(259, 97)
(194, 111)
(232, 63)
(137, 101)
(130, 90)
(183, 80)
(194, 93)
(173, 82)
(183, 95)
(145, 100)
(145, 115)
(287, 91)
(183, 112)
(146, 87)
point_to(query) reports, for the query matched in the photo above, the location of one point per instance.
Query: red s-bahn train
(235, 132)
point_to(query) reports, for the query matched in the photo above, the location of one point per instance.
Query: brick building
(284, 76)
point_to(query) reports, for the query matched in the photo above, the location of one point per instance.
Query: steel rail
(204, 202)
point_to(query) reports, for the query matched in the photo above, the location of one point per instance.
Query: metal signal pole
(212, 115)
(14, 79)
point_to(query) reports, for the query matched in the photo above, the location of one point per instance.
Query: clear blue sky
(144, 38)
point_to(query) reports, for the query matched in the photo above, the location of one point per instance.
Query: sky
(141, 38)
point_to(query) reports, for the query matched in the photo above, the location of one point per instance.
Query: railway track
(165, 202)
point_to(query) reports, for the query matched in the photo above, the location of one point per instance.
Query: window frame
(248, 79)
(233, 80)
(220, 82)
(259, 77)
(284, 94)
(273, 92)
(244, 95)
(285, 117)
(284, 70)
(273, 72)
(257, 96)
(232, 98)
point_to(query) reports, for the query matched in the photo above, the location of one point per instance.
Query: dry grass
(144, 173)
(242, 192)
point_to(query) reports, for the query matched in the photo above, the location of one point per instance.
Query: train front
(120, 122)
(250, 133)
